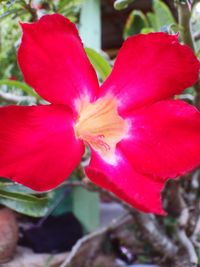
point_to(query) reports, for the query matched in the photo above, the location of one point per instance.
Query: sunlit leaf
(147, 30)
(99, 63)
(20, 85)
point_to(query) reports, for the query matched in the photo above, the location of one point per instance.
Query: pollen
(100, 126)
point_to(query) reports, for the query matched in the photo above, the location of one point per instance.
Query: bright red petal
(53, 61)
(164, 139)
(149, 68)
(37, 145)
(138, 190)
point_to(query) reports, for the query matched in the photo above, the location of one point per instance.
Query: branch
(184, 15)
(196, 234)
(194, 188)
(148, 224)
(197, 36)
(186, 242)
(197, 97)
(160, 242)
(81, 242)
(32, 11)
(181, 232)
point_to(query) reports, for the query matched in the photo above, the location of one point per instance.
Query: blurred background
(79, 224)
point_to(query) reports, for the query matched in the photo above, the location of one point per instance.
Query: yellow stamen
(100, 125)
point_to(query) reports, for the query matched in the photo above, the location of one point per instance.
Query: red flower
(138, 135)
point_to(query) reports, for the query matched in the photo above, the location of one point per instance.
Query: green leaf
(85, 208)
(163, 14)
(147, 30)
(135, 23)
(20, 85)
(122, 4)
(22, 199)
(198, 54)
(65, 204)
(10, 3)
(151, 17)
(27, 204)
(8, 185)
(100, 64)
(7, 13)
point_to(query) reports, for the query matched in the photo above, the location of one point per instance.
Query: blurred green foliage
(11, 12)
(160, 19)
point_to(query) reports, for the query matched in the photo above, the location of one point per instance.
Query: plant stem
(184, 15)
(147, 223)
(31, 10)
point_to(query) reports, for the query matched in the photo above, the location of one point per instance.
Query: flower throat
(100, 125)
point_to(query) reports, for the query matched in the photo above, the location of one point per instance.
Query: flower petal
(138, 190)
(37, 145)
(164, 139)
(53, 61)
(149, 68)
